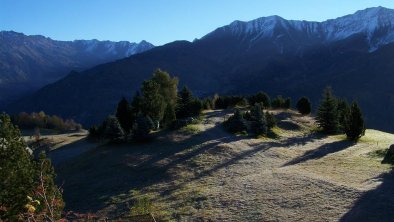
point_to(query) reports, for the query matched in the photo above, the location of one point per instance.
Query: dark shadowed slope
(29, 62)
(292, 58)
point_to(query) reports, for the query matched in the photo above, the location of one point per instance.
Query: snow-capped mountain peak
(376, 24)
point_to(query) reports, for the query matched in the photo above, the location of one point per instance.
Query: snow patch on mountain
(376, 24)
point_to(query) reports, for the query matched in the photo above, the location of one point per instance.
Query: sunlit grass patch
(191, 129)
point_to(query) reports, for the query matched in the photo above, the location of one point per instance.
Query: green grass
(190, 129)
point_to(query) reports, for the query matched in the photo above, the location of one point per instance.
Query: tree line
(157, 105)
(338, 116)
(43, 121)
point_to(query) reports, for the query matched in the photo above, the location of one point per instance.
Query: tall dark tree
(327, 113)
(124, 115)
(136, 105)
(304, 106)
(343, 111)
(153, 103)
(169, 115)
(355, 127)
(185, 98)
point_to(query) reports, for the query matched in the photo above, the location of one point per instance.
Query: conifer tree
(136, 106)
(113, 131)
(17, 172)
(153, 103)
(169, 115)
(143, 125)
(355, 127)
(304, 106)
(327, 113)
(124, 115)
(343, 112)
(24, 183)
(271, 121)
(236, 123)
(185, 98)
(259, 124)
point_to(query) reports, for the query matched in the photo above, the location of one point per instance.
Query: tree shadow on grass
(92, 179)
(374, 205)
(321, 152)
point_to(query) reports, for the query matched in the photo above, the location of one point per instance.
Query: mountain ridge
(30, 62)
(294, 65)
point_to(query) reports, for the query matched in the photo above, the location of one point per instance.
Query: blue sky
(158, 21)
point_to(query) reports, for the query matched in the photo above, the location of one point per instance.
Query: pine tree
(185, 98)
(355, 127)
(327, 113)
(236, 123)
(343, 111)
(169, 115)
(304, 106)
(136, 106)
(113, 131)
(17, 172)
(271, 121)
(153, 103)
(259, 125)
(124, 115)
(23, 181)
(143, 125)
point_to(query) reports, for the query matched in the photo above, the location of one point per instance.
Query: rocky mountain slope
(30, 62)
(354, 54)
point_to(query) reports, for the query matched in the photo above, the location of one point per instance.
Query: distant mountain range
(354, 54)
(30, 62)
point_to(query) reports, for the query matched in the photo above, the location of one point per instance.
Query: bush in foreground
(27, 188)
(236, 123)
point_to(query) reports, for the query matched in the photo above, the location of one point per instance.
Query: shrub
(304, 106)
(26, 185)
(236, 123)
(271, 121)
(142, 127)
(259, 123)
(113, 131)
(261, 98)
